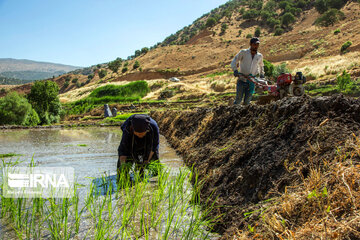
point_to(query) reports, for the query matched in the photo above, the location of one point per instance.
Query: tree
(45, 100)
(115, 65)
(136, 65)
(257, 32)
(330, 17)
(268, 68)
(137, 53)
(210, 22)
(321, 6)
(15, 109)
(287, 19)
(224, 26)
(144, 50)
(102, 73)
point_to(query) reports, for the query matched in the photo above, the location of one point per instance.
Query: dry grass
(326, 205)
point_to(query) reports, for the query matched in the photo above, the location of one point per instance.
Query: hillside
(202, 63)
(31, 70)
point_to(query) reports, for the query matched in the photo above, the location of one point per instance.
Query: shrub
(343, 80)
(321, 6)
(136, 65)
(272, 22)
(75, 80)
(3, 90)
(330, 17)
(242, 10)
(268, 68)
(287, 19)
(124, 70)
(337, 31)
(66, 84)
(126, 64)
(345, 46)
(257, 32)
(338, 4)
(144, 50)
(210, 22)
(224, 26)
(240, 31)
(137, 53)
(32, 119)
(102, 73)
(115, 65)
(15, 109)
(44, 99)
(78, 84)
(282, 68)
(251, 14)
(278, 31)
(91, 76)
(249, 35)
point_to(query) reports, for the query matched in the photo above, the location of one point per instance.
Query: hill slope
(31, 70)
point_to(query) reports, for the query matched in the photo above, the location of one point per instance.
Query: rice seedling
(165, 206)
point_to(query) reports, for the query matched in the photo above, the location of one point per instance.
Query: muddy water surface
(90, 151)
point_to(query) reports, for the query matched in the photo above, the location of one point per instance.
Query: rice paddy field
(163, 204)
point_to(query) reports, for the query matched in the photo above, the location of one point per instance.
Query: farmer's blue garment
(149, 142)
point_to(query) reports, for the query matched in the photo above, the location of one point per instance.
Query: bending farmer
(139, 142)
(250, 62)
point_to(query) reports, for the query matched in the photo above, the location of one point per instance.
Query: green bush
(115, 65)
(337, 31)
(287, 19)
(338, 4)
(210, 22)
(321, 6)
(91, 76)
(45, 100)
(66, 84)
(224, 26)
(144, 50)
(242, 10)
(32, 119)
(343, 80)
(249, 35)
(272, 22)
(251, 14)
(124, 70)
(330, 17)
(257, 32)
(78, 84)
(282, 68)
(240, 32)
(75, 80)
(268, 68)
(15, 109)
(102, 73)
(278, 31)
(345, 46)
(136, 65)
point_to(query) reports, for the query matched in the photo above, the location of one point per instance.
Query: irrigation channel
(161, 207)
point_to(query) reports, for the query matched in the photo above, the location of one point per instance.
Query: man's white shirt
(248, 65)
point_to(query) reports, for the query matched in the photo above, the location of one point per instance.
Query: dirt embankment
(247, 154)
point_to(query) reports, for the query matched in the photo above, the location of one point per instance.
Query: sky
(88, 32)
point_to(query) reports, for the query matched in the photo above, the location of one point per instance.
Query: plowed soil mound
(246, 154)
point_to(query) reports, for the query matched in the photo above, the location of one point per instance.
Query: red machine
(286, 85)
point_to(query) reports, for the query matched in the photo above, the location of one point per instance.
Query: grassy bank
(130, 92)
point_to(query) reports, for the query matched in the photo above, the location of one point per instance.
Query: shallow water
(90, 151)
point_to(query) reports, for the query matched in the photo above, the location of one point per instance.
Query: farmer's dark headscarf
(140, 123)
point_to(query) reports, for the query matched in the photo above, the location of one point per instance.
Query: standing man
(250, 62)
(139, 142)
